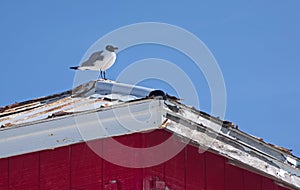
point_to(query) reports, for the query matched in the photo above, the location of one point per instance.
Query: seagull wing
(93, 58)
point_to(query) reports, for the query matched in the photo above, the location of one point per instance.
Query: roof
(52, 121)
(85, 97)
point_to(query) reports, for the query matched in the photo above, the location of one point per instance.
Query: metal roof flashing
(103, 87)
(57, 120)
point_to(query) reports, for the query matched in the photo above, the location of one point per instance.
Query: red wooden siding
(55, 169)
(252, 181)
(268, 184)
(123, 177)
(282, 188)
(195, 173)
(24, 172)
(233, 177)
(155, 174)
(215, 170)
(77, 167)
(175, 172)
(86, 167)
(4, 174)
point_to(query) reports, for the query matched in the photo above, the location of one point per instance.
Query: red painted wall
(77, 167)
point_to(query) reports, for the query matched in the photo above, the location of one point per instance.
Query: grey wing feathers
(94, 57)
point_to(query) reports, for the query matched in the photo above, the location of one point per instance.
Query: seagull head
(111, 48)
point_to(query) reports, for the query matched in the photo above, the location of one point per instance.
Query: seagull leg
(100, 74)
(104, 75)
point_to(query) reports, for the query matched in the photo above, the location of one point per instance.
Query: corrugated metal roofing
(88, 96)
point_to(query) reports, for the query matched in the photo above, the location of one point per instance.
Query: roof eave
(235, 145)
(81, 127)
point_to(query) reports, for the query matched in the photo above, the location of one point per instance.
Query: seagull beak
(115, 48)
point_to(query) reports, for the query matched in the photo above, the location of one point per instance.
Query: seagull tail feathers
(75, 68)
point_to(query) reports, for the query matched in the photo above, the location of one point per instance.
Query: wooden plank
(282, 188)
(124, 177)
(4, 174)
(233, 177)
(154, 173)
(24, 172)
(195, 169)
(252, 181)
(175, 172)
(86, 166)
(55, 169)
(215, 169)
(155, 137)
(268, 184)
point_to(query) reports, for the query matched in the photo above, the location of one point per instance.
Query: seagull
(99, 60)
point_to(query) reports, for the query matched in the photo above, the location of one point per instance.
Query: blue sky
(256, 44)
